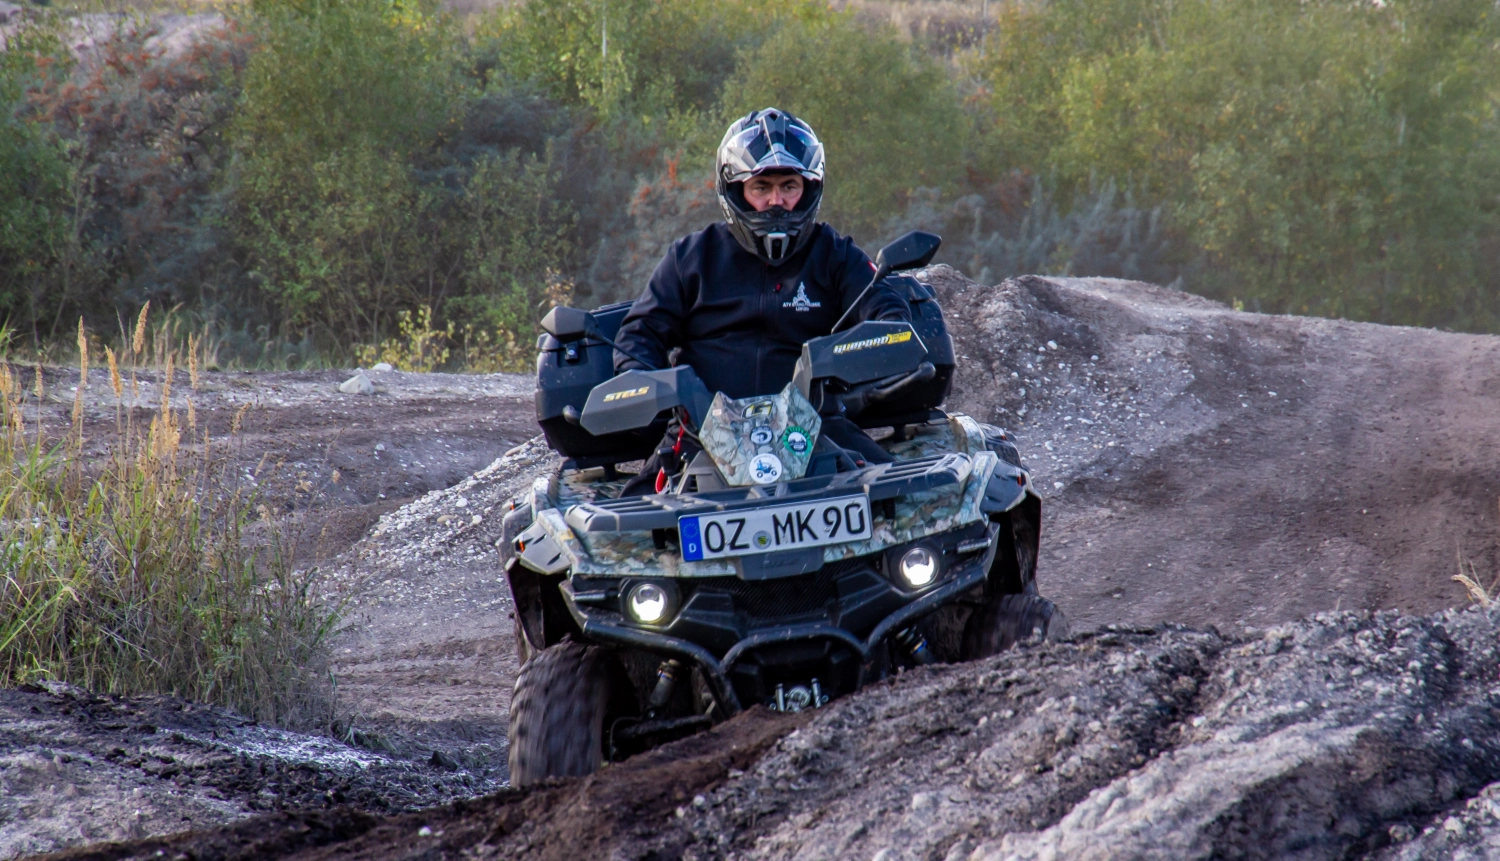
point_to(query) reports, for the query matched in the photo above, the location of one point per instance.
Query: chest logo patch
(800, 302)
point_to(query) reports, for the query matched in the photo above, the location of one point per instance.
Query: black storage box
(565, 374)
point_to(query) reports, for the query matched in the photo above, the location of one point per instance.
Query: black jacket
(741, 323)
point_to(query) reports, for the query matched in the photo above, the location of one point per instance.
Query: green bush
(338, 99)
(39, 182)
(662, 62)
(1330, 158)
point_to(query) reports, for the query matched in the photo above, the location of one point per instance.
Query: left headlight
(650, 603)
(918, 567)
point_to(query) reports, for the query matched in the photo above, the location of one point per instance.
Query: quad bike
(774, 567)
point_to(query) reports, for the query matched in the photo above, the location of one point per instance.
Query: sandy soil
(1205, 467)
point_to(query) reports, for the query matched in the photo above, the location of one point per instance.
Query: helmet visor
(761, 146)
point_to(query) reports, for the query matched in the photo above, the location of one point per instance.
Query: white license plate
(775, 527)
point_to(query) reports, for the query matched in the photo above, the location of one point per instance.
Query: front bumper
(716, 637)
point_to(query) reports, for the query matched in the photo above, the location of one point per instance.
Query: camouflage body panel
(968, 434)
(922, 514)
(565, 491)
(959, 433)
(634, 554)
(736, 433)
(551, 521)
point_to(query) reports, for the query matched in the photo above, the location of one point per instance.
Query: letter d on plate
(691, 537)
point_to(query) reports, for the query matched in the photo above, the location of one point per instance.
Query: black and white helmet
(760, 142)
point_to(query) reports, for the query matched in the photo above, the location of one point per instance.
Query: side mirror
(911, 251)
(568, 324)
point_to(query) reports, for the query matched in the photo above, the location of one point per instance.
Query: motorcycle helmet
(766, 141)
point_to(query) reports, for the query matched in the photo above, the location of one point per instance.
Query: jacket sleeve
(885, 300)
(654, 324)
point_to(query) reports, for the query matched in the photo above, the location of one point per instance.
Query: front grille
(787, 596)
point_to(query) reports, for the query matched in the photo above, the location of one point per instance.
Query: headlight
(918, 567)
(648, 603)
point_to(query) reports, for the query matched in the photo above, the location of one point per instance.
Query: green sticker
(796, 441)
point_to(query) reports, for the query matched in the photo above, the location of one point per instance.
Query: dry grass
(1468, 576)
(131, 573)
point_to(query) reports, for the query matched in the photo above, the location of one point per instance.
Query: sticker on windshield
(795, 440)
(765, 468)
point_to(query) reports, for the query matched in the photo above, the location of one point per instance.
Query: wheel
(557, 715)
(1005, 620)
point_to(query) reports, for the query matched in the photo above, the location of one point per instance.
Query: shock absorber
(666, 685)
(915, 645)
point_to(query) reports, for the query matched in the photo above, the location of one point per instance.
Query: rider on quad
(770, 553)
(740, 297)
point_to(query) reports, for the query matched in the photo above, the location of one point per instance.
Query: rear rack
(660, 511)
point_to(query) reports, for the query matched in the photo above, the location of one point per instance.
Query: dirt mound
(1347, 734)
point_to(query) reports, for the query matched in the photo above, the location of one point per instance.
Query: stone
(383, 366)
(359, 384)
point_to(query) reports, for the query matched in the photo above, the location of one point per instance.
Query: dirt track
(1262, 468)
(1206, 467)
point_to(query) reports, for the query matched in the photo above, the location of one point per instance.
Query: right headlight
(918, 567)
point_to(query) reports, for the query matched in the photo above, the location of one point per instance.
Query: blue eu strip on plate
(691, 538)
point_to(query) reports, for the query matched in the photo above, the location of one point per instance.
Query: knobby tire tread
(557, 714)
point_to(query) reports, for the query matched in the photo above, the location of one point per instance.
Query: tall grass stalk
(132, 573)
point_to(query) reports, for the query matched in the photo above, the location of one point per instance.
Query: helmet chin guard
(769, 141)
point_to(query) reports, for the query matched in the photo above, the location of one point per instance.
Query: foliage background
(315, 172)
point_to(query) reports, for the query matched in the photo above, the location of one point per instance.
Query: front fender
(540, 550)
(1007, 486)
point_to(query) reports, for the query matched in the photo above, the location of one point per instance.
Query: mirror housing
(911, 251)
(569, 324)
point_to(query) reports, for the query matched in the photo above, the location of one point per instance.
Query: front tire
(1005, 620)
(558, 711)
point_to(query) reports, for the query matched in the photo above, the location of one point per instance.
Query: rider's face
(778, 189)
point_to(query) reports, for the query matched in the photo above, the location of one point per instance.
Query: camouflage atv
(774, 567)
